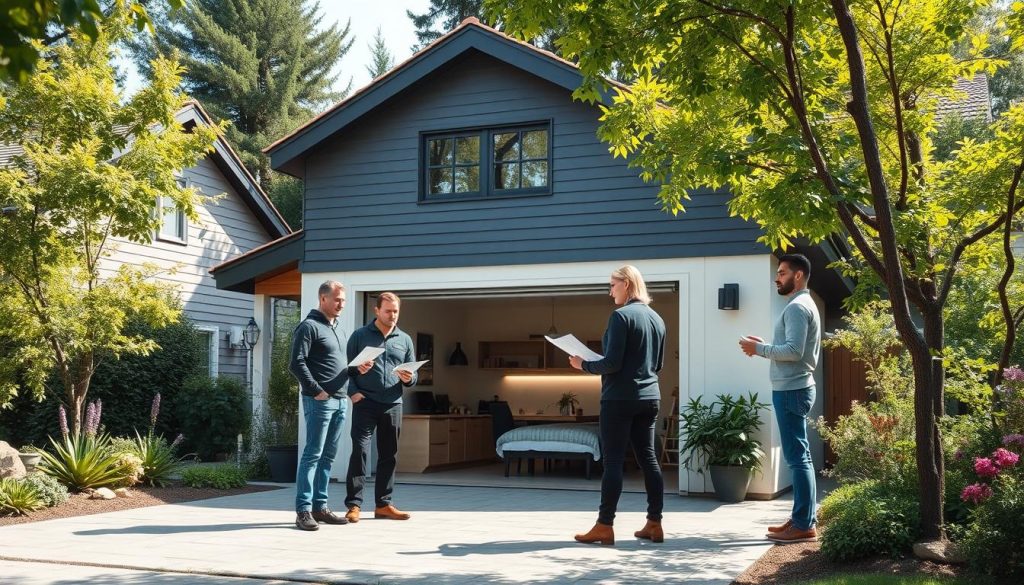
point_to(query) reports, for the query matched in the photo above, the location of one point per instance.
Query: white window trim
(180, 216)
(214, 332)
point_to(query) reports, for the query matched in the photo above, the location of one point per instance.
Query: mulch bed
(173, 493)
(792, 563)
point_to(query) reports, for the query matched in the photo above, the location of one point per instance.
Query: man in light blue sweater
(793, 352)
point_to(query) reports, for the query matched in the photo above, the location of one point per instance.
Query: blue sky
(366, 16)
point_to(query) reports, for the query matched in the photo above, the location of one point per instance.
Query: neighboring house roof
(226, 160)
(240, 273)
(974, 101)
(286, 154)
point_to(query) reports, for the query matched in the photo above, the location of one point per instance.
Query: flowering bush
(874, 442)
(83, 459)
(993, 541)
(1010, 397)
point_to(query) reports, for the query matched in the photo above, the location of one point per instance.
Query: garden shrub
(212, 412)
(221, 477)
(51, 492)
(84, 459)
(994, 540)
(865, 519)
(18, 497)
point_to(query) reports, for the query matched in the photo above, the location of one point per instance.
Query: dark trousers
(386, 419)
(624, 422)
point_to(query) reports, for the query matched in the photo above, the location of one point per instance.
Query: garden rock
(123, 493)
(10, 462)
(103, 494)
(940, 551)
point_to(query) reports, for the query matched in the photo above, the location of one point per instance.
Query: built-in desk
(439, 441)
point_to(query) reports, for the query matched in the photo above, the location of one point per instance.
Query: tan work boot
(353, 514)
(600, 533)
(651, 531)
(390, 512)
(780, 527)
(794, 534)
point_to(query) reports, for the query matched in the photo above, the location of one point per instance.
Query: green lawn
(887, 580)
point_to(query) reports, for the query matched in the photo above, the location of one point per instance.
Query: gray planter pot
(730, 482)
(29, 460)
(284, 462)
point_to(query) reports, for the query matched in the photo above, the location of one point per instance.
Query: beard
(785, 288)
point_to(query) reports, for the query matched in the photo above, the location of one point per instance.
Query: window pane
(506, 176)
(467, 179)
(439, 151)
(172, 219)
(506, 146)
(205, 359)
(535, 174)
(440, 181)
(535, 144)
(467, 150)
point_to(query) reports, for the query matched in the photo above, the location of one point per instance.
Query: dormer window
(518, 162)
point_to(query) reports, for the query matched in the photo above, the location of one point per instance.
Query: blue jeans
(791, 408)
(324, 420)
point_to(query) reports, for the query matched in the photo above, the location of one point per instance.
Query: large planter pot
(284, 461)
(730, 482)
(29, 460)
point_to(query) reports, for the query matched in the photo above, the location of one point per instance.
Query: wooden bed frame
(547, 456)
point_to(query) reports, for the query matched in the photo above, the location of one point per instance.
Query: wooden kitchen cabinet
(437, 441)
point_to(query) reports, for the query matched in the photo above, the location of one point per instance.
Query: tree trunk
(929, 381)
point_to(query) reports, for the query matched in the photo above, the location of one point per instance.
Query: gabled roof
(287, 154)
(224, 157)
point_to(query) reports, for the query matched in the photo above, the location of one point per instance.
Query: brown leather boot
(651, 531)
(390, 512)
(353, 514)
(600, 533)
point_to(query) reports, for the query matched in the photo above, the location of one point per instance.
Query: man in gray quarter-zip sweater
(320, 363)
(793, 352)
(377, 406)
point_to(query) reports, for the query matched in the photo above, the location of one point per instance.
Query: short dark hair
(797, 263)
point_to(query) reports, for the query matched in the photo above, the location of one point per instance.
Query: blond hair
(635, 286)
(387, 296)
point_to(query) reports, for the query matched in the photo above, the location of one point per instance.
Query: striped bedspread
(561, 437)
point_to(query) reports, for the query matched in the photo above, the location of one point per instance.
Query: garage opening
(448, 430)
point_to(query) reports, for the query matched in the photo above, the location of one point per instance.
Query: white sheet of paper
(572, 346)
(368, 353)
(410, 366)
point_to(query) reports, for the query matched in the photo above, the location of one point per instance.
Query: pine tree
(451, 13)
(265, 65)
(382, 59)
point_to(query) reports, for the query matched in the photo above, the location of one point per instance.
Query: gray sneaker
(304, 521)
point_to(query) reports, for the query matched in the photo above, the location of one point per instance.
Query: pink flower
(976, 492)
(1004, 458)
(1013, 373)
(985, 467)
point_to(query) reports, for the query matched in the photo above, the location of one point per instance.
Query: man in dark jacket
(377, 405)
(320, 363)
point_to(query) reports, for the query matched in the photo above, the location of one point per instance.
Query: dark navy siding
(363, 212)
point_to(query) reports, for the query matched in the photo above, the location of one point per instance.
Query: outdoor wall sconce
(251, 334)
(729, 297)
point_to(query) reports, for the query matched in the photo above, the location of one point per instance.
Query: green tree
(381, 58)
(91, 170)
(267, 66)
(816, 116)
(449, 12)
(26, 26)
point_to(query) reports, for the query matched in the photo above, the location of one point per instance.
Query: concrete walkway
(457, 535)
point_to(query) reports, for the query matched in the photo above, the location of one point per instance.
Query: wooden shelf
(525, 356)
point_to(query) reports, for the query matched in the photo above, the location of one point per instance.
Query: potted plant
(720, 436)
(29, 455)
(282, 446)
(567, 403)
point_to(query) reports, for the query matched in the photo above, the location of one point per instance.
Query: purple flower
(177, 441)
(1004, 458)
(1014, 439)
(90, 419)
(62, 418)
(976, 492)
(958, 455)
(985, 467)
(154, 411)
(1014, 374)
(99, 413)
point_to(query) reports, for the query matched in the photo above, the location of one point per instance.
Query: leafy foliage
(91, 168)
(865, 519)
(212, 412)
(722, 432)
(994, 542)
(222, 477)
(51, 492)
(381, 59)
(18, 496)
(81, 460)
